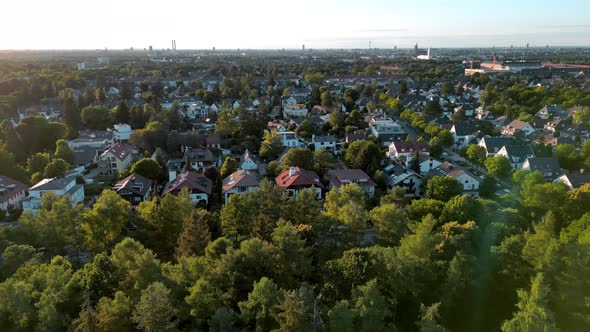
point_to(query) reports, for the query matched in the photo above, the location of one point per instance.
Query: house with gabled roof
(403, 149)
(323, 141)
(468, 180)
(342, 177)
(516, 154)
(398, 176)
(249, 162)
(198, 186)
(493, 144)
(573, 180)
(12, 193)
(240, 182)
(549, 166)
(295, 179)
(549, 111)
(114, 159)
(517, 127)
(134, 188)
(464, 133)
(56, 186)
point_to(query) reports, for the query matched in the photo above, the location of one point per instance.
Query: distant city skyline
(266, 24)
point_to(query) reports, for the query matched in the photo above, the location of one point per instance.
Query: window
(114, 165)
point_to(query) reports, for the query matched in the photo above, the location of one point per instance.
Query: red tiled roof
(298, 177)
(118, 150)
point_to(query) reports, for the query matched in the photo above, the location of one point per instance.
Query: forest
(446, 262)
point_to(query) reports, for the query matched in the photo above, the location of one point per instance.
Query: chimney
(171, 175)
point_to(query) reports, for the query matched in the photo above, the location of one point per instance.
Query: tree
(102, 225)
(488, 187)
(365, 155)
(436, 147)
(229, 166)
(567, 156)
(433, 108)
(293, 263)
(63, 151)
(222, 320)
(371, 307)
(147, 167)
(56, 169)
(292, 316)
(166, 217)
(447, 88)
(100, 95)
(323, 161)
(420, 208)
(498, 166)
(415, 162)
(13, 257)
(347, 205)
(37, 163)
(114, 314)
(122, 112)
(443, 188)
(446, 138)
(341, 317)
(476, 154)
(204, 299)
(195, 236)
(154, 312)
(461, 209)
(227, 125)
(262, 305)
(300, 157)
(391, 222)
(428, 319)
(533, 309)
(72, 117)
(327, 101)
(97, 117)
(271, 146)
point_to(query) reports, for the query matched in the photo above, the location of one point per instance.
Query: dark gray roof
(465, 128)
(84, 155)
(52, 184)
(494, 144)
(578, 179)
(544, 164)
(134, 183)
(519, 152)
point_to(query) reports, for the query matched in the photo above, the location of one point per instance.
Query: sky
(276, 24)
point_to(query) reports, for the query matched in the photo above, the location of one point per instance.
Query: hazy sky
(75, 24)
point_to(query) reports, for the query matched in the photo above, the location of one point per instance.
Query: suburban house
(121, 132)
(386, 130)
(493, 144)
(295, 179)
(464, 133)
(92, 139)
(114, 159)
(516, 154)
(517, 127)
(249, 162)
(199, 158)
(57, 186)
(198, 185)
(549, 111)
(549, 166)
(240, 182)
(403, 149)
(290, 139)
(574, 180)
(338, 178)
(427, 163)
(351, 137)
(12, 193)
(295, 111)
(134, 188)
(408, 180)
(327, 141)
(469, 180)
(85, 156)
